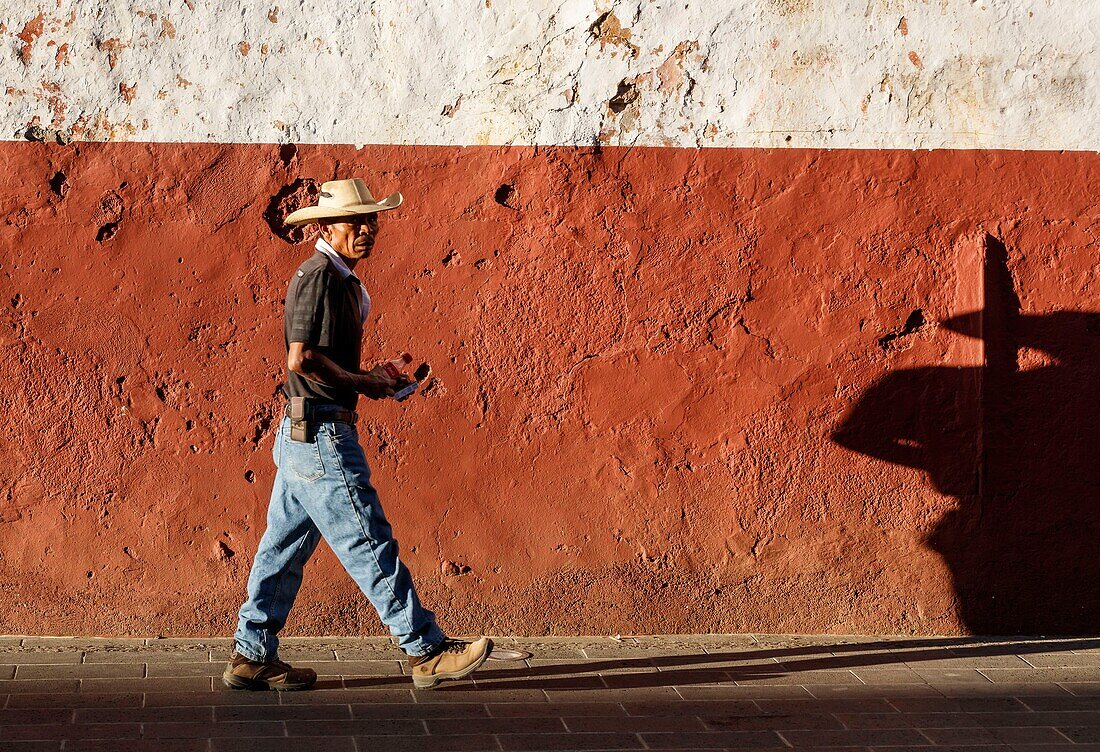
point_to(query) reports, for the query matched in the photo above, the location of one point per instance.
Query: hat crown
(342, 193)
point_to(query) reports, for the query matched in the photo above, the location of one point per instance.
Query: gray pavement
(699, 692)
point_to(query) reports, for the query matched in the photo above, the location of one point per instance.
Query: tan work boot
(244, 673)
(451, 659)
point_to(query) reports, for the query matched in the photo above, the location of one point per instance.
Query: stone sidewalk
(700, 692)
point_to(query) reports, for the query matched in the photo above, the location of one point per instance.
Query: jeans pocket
(303, 458)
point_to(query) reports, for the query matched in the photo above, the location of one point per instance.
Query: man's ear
(324, 231)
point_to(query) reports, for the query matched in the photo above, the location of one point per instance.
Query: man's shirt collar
(345, 272)
(337, 260)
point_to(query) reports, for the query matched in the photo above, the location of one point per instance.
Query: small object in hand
(393, 368)
(404, 389)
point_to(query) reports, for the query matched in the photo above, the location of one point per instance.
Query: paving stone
(1039, 675)
(873, 690)
(907, 720)
(38, 746)
(978, 661)
(351, 668)
(629, 694)
(284, 712)
(356, 654)
(702, 708)
(33, 731)
(78, 643)
(950, 675)
(223, 643)
(420, 710)
(152, 684)
(1061, 703)
(180, 669)
(25, 657)
(1040, 718)
(954, 748)
(958, 704)
(38, 686)
(276, 744)
(294, 655)
(379, 683)
(232, 729)
(569, 741)
(853, 737)
(446, 694)
(801, 678)
(876, 677)
(528, 725)
(557, 709)
(17, 716)
(967, 736)
(835, 705)
(713, 740)
(464, 743)
(207, 697)
(1081, 734)
(770, 721)
(585, 665)
(183, 714)
(743, 692)
(81, 671)
(997, 689)
(354, 727)
(77, 700)
(144, 654)
(344, 696)
(136, 745)
(1064, 659)
(667, 678)
(632, 724)
(499, 681)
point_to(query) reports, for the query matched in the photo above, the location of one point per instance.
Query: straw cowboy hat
(343, 198)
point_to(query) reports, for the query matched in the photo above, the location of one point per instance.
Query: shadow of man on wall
(1016, 442)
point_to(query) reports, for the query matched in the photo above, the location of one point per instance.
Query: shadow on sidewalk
(751, 664)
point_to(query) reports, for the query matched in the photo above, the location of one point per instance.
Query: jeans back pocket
(303, 458)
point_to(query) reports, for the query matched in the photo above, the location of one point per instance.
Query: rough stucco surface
(677, 390)
(798, 73)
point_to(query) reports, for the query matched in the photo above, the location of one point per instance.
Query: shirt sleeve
(309, 309)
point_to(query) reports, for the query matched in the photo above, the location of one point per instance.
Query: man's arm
(308, 362)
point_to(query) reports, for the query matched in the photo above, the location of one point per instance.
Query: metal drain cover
(507, 654)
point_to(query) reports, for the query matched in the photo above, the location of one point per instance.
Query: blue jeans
(323, 487)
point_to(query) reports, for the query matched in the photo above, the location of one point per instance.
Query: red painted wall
(678, 391)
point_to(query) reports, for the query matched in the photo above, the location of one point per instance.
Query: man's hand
(375, 385)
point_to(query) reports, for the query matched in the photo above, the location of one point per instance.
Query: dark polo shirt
(322, 310)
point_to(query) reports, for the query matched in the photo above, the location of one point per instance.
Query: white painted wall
(774, 73)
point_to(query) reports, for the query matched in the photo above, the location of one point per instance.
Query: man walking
(322, 485)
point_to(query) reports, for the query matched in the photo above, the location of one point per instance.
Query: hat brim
(308, 214)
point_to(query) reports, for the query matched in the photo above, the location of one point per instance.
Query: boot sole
(429, 682)
(256, 685)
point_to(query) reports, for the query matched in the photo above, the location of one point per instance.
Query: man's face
(352, 237)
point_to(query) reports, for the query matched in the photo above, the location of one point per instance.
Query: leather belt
(328, 416)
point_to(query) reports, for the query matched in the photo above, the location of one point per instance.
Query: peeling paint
(32, 30)
(544, 75)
